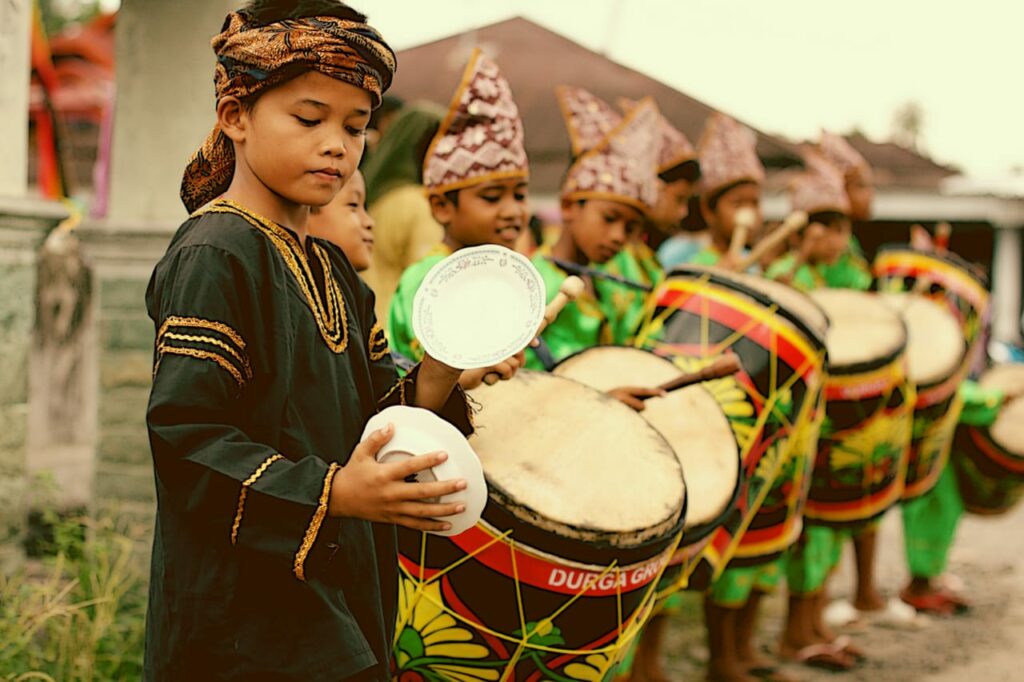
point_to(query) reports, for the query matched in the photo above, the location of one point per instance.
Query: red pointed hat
(728, 154)
(588, 118)
(622, 167)
(481, 138)
(674, 147)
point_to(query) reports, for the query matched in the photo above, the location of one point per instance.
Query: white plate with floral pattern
(478, 307)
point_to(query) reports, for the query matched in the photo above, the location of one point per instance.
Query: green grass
(79, 615)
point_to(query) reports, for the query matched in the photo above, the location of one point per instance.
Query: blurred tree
(908, 125)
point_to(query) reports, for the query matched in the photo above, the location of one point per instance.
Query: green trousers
(929, 525)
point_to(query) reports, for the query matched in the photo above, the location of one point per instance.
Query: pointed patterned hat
(481, 138)
(674, 147)
(728, 154)
(843, 156)
(622, 167)
(588, 118)
(821, 187)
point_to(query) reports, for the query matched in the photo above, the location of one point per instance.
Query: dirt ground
(985, 645)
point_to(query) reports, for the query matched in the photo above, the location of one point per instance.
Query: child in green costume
(479, 202)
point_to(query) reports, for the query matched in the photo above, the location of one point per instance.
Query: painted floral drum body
(864, 444)
(693, 423)
(773, 404)
(560, 574)
(936, 365)
(989, 462)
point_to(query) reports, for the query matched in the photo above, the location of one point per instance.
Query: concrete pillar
(15, 26)
(24, 224)
(1006, 285)
(165, 108)
(165, 103)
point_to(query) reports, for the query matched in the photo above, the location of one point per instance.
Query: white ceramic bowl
(420, 432)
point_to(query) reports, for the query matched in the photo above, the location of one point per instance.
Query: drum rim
(598, 541)
(702, 530)
(761, 298)
(949, 258)
(871, 365)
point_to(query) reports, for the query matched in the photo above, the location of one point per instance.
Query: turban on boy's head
(253, 57)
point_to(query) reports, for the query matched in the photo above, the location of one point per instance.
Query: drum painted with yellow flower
(937, 364)
(773, 404)
(693, 423)
(864, 444)
(989, 461)
(557, 578)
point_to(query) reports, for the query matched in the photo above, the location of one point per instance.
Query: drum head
(1008, 429)
(568, 459)
(935, 341)
(1005, 377)
(865, 330)
(690, 419)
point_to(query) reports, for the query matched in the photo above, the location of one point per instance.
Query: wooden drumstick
(722, 367)
(793, 222)
(942, 233)
(745, 218)
(920, 239)
(571, 288)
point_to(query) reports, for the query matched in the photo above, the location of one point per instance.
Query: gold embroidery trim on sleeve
(204, 355)
(299, 567)
(378, 342)
(245, 492)
(228, 351)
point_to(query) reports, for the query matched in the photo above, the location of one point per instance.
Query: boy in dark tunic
(274, 553)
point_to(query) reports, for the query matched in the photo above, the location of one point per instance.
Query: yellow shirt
(404, 231)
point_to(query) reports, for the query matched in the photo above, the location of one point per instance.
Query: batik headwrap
(728, 155)
(481, 139)
(588, 118)
(820, 187)
(252, 59)
(622, 167)
(674, 148)
(843, 156)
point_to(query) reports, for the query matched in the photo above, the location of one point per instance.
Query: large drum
(585, 511)
(869, 405)
(773, 404)
(945, 277)
(936, 354)
(989, 462)
(692, 422)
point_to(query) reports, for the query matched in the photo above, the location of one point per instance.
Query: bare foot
(869, 601)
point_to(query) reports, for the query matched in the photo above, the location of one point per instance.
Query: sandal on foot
(824, 656)
(937, 603)
(846, 645)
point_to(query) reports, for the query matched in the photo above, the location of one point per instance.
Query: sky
(794, 66)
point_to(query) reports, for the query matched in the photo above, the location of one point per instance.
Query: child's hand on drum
(503, 371)
(634, 396)
(367, 489)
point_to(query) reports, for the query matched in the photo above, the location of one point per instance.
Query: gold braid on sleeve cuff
(313, 529)
(246, 484)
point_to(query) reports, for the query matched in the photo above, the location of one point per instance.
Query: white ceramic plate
(478, 306)
(420, 432)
